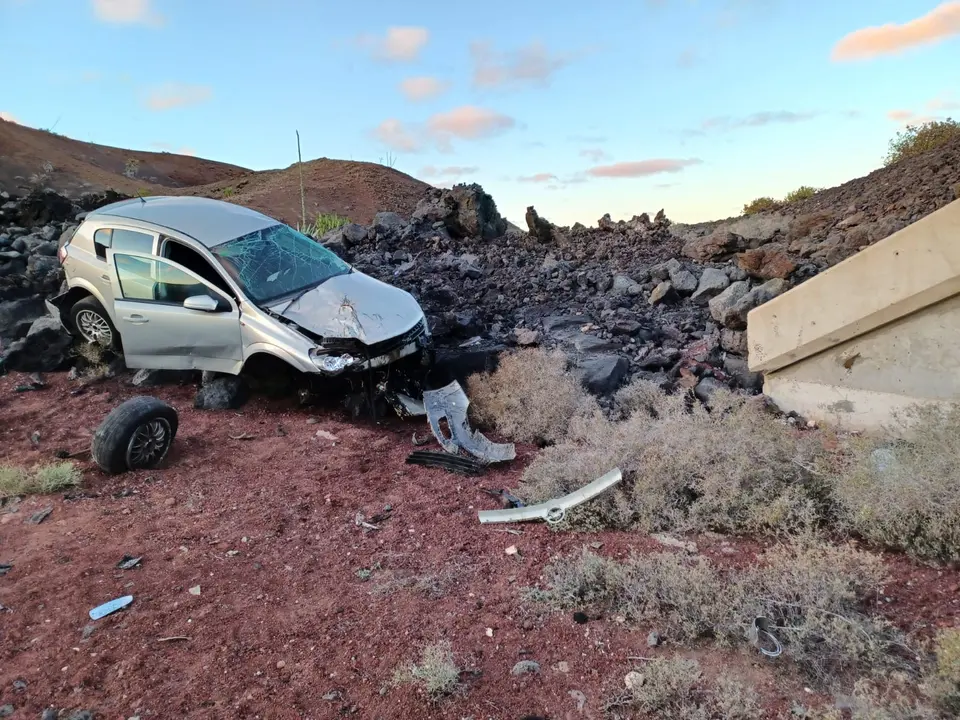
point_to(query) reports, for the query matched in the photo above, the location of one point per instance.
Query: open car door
(170, 318)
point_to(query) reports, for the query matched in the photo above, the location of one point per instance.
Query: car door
(157, 330)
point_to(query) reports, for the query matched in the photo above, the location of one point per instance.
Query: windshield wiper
(299, 295)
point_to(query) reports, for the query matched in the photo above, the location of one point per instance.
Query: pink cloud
(400, 44)
(127, 12)
(393, 133)
(595, 154)
(944, 102)
(538, 178)
(451, 171)
(422, 88)
(467, 122)
(936, 26)
(642, 168)
(532, 64)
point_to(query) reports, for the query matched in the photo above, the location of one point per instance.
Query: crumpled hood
(354, 306)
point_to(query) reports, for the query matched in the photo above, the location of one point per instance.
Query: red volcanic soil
(283, 625)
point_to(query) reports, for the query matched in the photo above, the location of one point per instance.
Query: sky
(577, 108)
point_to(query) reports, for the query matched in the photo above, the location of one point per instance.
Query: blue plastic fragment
(110, 607)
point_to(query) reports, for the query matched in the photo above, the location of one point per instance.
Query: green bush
(917, 139)
(324, 223)
(803, 192)
(759, 205)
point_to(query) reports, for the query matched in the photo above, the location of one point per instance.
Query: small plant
(917, 139)
(531, 397)
(131, 167)
(389, 160)
(759, 205)
(228, 191)
(437, 673)
(94, 360)
(944, 686)
(39, 179)
(804, 192)
(41, 480)
(324, 223)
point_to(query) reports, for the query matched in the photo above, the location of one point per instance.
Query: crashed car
(185, 283)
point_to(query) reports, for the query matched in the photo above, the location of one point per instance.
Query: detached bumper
(54, 309)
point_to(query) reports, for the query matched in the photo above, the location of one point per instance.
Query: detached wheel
(136, 435)
(93, 324)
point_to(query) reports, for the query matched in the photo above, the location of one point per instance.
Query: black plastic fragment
(445, 461)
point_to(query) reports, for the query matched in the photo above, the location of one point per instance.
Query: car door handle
(105, 277)
(135, 319)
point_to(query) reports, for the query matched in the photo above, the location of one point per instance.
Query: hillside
(357, 190)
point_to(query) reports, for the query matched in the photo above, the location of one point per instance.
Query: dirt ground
(283, 625)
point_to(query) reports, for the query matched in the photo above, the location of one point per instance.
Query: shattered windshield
(277, 261)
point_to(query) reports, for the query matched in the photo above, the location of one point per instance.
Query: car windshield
(277, 261)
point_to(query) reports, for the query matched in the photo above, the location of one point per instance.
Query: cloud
(176, 95)
(944, 102)
(595, 154)
(167, 147)
(538, 178)
(451, 171)
(642, 168)
(936, 26)
(400, 44)
(394, 134)
(530, 65)
(900, 115)
(726, 123)
(423, 88)
(9, 117)
(127, 12)
(467, 122)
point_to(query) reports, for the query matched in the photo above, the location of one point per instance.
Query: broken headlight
(331, 364)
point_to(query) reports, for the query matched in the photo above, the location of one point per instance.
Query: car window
(158, 281)
(132, 241)
(101, 241)
(277, 262)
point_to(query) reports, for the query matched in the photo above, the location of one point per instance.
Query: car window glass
(132, 241)
(158, 281)
(101, 241)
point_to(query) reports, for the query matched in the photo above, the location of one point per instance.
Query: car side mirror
(201, 302)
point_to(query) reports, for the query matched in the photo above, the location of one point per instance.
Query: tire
(93, 324)
(136, 435)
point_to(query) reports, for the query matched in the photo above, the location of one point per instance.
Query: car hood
(353, 306)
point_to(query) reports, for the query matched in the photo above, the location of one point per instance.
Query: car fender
(80, 283)
(280, 354)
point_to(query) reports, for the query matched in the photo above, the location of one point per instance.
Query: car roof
(209, 222)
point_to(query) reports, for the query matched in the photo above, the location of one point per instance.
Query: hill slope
(356, 190)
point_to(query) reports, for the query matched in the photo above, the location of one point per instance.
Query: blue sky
(694, 106)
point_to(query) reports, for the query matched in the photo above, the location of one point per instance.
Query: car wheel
(93, 324)
(136, 435)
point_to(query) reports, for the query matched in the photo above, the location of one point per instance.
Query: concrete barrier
(872, 335)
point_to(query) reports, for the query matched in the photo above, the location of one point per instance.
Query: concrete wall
(872, 335)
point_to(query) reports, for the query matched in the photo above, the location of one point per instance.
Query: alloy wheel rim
(94, 327)
(148, 444)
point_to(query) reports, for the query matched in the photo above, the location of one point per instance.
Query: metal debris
(128, 562)
(509, 499)
(762, 628)
(110, 607)
(553, 511)
(5, 568)
(445, 461)
(450, 403)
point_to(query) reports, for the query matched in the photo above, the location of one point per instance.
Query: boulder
(41, 207)
(713, 281)
(539, 228)
(226, 392)
(601, 374)
(476, 213)
(16, 316)
(664, 293)
(717, 244)
(734, 317)
(725, 301)
(766, 263)
(45, 348)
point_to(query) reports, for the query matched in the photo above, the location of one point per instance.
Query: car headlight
(331, 364)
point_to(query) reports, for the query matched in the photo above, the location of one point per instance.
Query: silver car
(187, 283)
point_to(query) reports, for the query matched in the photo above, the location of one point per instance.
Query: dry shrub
(906, 494)
(729, 468)
(870, 701)
(437, 672)
(944, 684)
(530, 397)
(919, 139)
(674, 688)
(41, 480)
(814, 597)
(759, 205)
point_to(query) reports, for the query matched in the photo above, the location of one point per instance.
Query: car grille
(360, 349)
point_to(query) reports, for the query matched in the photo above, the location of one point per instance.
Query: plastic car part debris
(5, 568)
(110, 607)
(762, 629)
(450, 403)
(128, 562)
(506, 496)
(445, 461)
(553, 511)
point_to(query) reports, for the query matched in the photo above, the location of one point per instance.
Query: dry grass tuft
(906, 495)
(42, 480)
(732, 468)
(869, 701)
(674, 688)
(93, 357)
(437, 673)
(814, 596)
(944, 684)
(531, 397)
